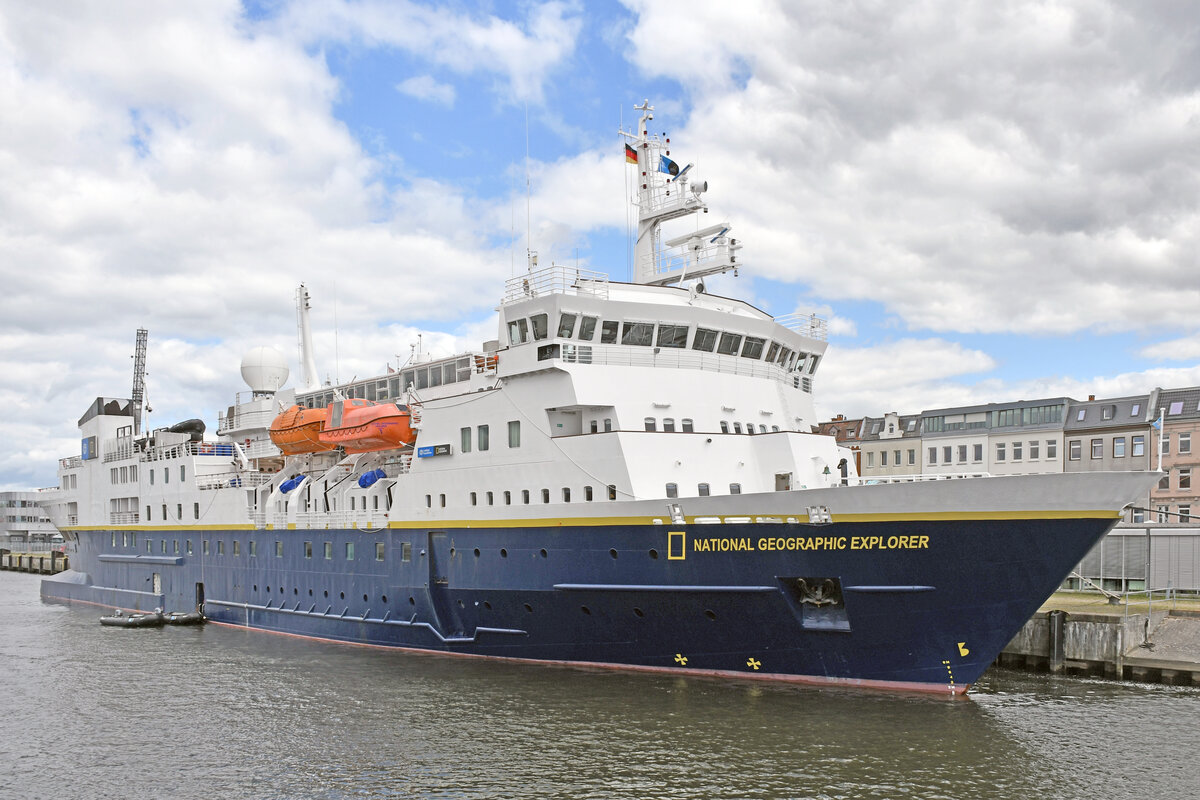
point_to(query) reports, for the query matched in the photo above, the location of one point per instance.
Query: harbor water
(92, 712)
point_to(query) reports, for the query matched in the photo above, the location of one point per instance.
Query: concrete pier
(40, 563)
(1085, 635)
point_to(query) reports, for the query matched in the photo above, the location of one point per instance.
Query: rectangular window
(587, 493)
(203, 546)
(1161, 514)
(220, 547)
(587, 328)
(946, 454)
(640, 334)
(753, 347)
(182, 473)
(525, 496)
(253, 549)
(999, 451)
(379, 551)
(514, 433)
(308, 549)
(977, 453)
(686, 425)
(668, 425)
(883, 458)
(962, 454)
(406, 551)
(328, 551)
(465, 435)
(912, 458)
(1138, 446)
(541, 328)
(349, 551)
(1164, 483)
(1017, 449)
(1051, 448)
(870, 459)
(491, 499)
(1185, 513)
(1033, 450)
(1082, 413)
(474, 499)
(1133, 411)
(566, 325)
(1139, 515)
(705, 340)
(702, 490)
(1075, 448)
(1119, 447)
(651, 424)
(608, 331)
(1166, 444)
(237, 547)
(612, 491)
(545, 495)
(483, 439)
(1097, 448)
(1185, 443)
(672, 335)
(1185, 478)
(735, 488)
(933, 455)
(566, 494)
(507, 497)
(1175, 408)
(195, 510)
(724, 426)
(279, 549)
(729, 343)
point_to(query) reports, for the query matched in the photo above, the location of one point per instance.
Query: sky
(987, 201)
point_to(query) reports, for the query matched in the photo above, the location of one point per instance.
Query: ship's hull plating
(919, 605)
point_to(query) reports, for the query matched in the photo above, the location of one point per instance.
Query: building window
(1185, 443)
(1161, 514)
(1185, 513)
(1185, 478)
(1164, 483)
(514, 433)
(978, 453)
(999, 451)
(883, 458)
(1082, 413)
(1097, 448)
(1119, 447)
(1166, 444)
(1051, 448)
(912, 458)
(672, 490)
(1033, 451)
(466, 439)
(1133, 411)
(946, 455)
(933, 455)
(483, 438)
(1016, 451)
(962, 454)
(349, 551)
(379, 551)
(870, 459)
(1138, 515)
(1175, 408)
(1075, 448)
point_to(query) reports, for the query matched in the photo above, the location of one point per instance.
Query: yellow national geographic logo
(676, 545)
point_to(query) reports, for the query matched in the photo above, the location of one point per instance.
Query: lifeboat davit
(361, 426)
(297, 431)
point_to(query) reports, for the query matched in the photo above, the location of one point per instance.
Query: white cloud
(425, 87)
(1182, 349)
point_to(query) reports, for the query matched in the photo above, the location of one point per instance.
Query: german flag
(630, 155)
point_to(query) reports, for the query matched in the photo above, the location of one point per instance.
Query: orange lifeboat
(297, 431)
(361, 426)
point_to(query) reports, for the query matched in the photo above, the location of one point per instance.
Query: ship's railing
(624, 356)
(243, 420)
(556, 280)
(221, 480)
(123, 518)
(873, 479)
(261, 449)
(222, 449)
(118, 449)
(809, 325)
(72, 462)
(705, 256)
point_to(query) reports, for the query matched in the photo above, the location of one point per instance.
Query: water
(94, 712)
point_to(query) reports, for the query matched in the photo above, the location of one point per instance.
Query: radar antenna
(138, 394)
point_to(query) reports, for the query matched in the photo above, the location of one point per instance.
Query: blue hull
(918, 605)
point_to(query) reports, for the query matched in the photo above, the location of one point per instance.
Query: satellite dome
(264, 369)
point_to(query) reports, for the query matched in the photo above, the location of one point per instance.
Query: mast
(304, 332)
(667, 192)
(138, 394)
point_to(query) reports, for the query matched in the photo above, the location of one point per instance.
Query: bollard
(1058, 636)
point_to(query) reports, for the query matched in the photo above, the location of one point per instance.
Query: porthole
(586, 610)
(612, 553)
(543, 552)
(637, 612)
(708, 612)
(342, 595)
(503, 553)
(654, 554)
(295, 590)
(385, 598)
(310, 592)
(364, 598)
(327, 593)
(256, 587)
(529, 608)
(460, 604)
(452, 551)
(487, 605)
(477, 552)
(411, 601)
(268, 590)
(281, 590)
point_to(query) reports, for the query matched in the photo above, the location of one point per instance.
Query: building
(1112, 434)
(1176, 499)
(890, 445)
(25, 525)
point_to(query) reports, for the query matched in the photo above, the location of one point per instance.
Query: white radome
(264, 369)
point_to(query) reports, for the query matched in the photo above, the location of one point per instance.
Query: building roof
(1119, 412)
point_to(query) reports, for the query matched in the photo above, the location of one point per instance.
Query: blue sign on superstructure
(433, 450)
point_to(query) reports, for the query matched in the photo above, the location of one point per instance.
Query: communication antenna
(530, 255)
(304, 335)
(138, 394)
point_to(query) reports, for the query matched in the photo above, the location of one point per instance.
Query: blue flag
(668, 166)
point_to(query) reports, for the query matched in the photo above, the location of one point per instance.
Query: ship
(628, 476)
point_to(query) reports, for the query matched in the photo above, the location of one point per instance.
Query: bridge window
(753, 347)
(729, 343)
(638, 333)
(705, 340)
(518, 332)
(566, 325)
(587, 328)
(540, 326)
(772, 352)
(672, 335)
(608, 331)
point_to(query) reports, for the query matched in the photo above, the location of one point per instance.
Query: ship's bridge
(570, 315)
